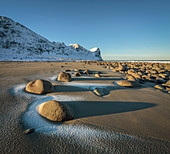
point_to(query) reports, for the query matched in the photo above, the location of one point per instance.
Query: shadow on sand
(93, 78)
(67, 88)
(83, 109)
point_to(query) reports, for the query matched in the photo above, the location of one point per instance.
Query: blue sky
(122, 29)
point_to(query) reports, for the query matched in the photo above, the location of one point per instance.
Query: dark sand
(134, 120)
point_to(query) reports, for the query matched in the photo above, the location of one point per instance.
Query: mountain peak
(20, 43)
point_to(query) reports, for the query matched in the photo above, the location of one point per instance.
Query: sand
(134, 120)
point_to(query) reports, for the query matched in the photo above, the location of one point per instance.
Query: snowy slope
(20, 43)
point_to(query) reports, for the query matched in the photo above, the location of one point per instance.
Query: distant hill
(18, 43)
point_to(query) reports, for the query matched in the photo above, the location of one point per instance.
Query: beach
(122, 120)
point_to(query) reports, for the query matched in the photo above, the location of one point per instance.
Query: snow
(19, 43)
(94, 49)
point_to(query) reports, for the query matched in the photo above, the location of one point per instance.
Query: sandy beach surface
(125, 120)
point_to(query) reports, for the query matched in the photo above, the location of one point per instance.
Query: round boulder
(66, 77)
(125, 83)
(54, 111)
(39, 87)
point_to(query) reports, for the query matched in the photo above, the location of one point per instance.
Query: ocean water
(149, 61)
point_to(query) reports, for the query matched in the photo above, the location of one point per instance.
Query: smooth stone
(54, 111)
(63, 76)
(97, 75)
(29, 131)
(125, 83)
(39, 87)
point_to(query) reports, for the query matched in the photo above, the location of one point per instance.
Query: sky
(122, 29)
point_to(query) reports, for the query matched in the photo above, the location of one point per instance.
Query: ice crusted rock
(18, 43)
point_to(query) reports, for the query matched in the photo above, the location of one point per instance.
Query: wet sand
(125, 120)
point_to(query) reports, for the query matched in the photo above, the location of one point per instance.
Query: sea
(148, 61)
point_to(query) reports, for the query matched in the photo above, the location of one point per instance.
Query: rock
(126, 83)
(77, 74)
(164, 76)
(111, 67)
(159, 87)
(66, 77)
(140, 73)
(54, 111)
(121, 68)
(77, 70)
(130, 78)
(154, 71)
(101, 91)
(97, 75)
(160, 80)
(115, 70)
(167, 88)
(151, 80)
(167, 84)
(108, 67)
(39, 87)
(87, 72)
(76, 46)
(136, 75)
(29, 131)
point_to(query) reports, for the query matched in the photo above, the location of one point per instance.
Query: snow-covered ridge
(20, 43)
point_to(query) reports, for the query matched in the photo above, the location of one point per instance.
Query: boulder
(63, 76)
(168, 88)
(77, 74)
(115, 70)
(160, 80)
(87, 72)
(54, 111)
(136, 75)
(101, 91)
(159, 87)
(130, 77)
(125, 83)
(77, 70)
(167, 84)
(39, 87)
(97, 75)
(121, 68)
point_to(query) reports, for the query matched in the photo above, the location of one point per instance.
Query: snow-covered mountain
(20, 43)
